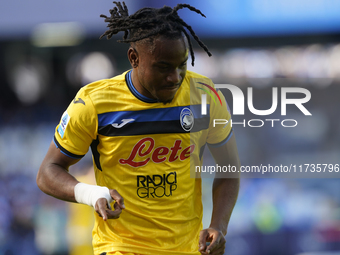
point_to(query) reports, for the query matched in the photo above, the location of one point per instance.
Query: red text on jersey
(145, 148)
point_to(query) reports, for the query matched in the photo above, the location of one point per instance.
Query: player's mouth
(171, 87)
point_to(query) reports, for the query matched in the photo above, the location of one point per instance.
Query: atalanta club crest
(187, 119)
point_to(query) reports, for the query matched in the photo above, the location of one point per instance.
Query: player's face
(160, 72)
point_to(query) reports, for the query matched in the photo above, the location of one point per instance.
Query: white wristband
(89, 194)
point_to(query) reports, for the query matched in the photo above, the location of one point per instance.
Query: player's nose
(174, 77)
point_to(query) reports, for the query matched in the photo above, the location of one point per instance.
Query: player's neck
(138, 86)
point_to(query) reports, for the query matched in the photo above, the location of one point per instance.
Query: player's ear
(133, 57)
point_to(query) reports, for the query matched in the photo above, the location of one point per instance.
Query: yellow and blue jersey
(145, 150)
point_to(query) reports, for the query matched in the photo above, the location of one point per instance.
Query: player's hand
(216, 239)
(103, 209)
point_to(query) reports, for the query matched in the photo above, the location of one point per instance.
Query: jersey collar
(135, 92)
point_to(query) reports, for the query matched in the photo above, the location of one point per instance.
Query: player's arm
(54, 179)
(226, 185)
(53, 176)
(225, 191)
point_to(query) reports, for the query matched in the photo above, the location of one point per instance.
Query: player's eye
(163, 67)
(183, 65)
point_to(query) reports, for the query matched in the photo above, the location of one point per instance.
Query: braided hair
(149, 22)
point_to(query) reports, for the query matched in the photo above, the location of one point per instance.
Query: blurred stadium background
(49, 49)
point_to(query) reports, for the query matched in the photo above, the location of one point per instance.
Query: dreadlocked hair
(149, 22)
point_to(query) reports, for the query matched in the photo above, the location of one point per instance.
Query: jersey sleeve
(78, 127)
(220, 128)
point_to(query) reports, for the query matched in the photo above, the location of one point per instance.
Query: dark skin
(225, 191)
(157, 74)
(55, 180)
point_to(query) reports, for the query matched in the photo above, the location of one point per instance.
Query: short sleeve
(78, 127)
(220, 128)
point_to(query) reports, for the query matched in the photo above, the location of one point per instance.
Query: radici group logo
(239, 105)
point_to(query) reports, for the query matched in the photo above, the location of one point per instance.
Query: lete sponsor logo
(144, 151)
